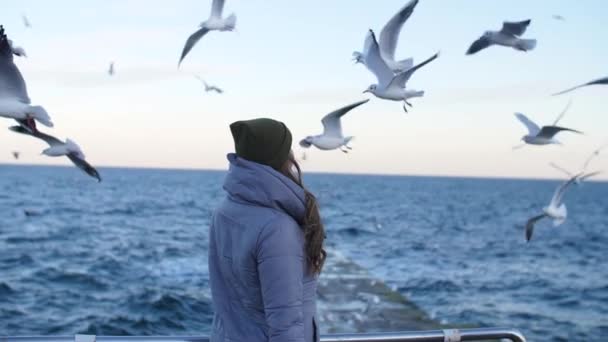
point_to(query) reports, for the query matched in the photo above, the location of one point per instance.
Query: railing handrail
(448, 335)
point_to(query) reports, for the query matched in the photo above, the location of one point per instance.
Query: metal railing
(449, 335)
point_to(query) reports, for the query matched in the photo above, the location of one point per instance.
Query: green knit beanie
(263, 141)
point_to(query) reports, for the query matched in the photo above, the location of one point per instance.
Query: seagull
(558, 17)
(390, 86)
(332, 137)
(507, 36)
(215, 22)
(58, 148)
(556, 209)
(208, 87)
(544, 135)
(603, 81)
(16, 155)
(111, 69)
(14, 100)
(26, 22)
(585, 165)
(389, 36)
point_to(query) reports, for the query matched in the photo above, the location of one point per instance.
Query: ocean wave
(77, 279)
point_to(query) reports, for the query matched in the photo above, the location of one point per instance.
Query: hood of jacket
(261, 185)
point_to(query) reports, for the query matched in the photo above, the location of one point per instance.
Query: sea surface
(129, 256)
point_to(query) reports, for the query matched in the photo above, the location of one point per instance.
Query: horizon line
(412, 175)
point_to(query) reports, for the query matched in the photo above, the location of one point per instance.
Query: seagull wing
(598, 81)
(201, 79)
(530, 225)
(389, 36)
(556, 200)
(26, 22)
(551, 131)
(401, 78)
(49, 139)
(594, 82)
(479, 45)
(559, 168)
(588, 175)
(12, 84)
(561, 115)
(374, 61)
(592, 156)
(192, 40)
(217, 90)
(533, 128)
(216, 9)
(331, 122)
(84, 166)
(515, 28)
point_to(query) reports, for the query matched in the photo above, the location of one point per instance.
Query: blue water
(129, 255)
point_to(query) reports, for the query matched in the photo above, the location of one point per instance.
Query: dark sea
(129, 256)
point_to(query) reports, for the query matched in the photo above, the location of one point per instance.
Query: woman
(265, 242)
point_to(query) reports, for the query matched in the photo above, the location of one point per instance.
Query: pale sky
(291, 61)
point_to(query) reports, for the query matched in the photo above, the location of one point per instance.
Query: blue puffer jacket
(260, 284)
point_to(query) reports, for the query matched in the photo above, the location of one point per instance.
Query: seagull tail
(230, 22)
(526, 44)
(40, 115)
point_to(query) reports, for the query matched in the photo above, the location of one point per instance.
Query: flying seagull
(16, 155)
(507, 36)
(544, 135)
(14, 100)
(208, 87)
(215, 22)
(556, 209)
(26, 22)
(389, 36)
(332, 137)
(111, 69)
(593, 155)
(603, 81)
(58, 148)
(390, 86)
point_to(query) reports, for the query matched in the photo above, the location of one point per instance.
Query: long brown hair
(314, 232)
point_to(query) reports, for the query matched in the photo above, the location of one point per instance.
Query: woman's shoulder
(255, 216)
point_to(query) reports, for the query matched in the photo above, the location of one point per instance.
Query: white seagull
(544, 135)
(208, 87)
(558, 17)
(599, 81)
(556, 209)
(58, 148)
(111, 70)
(14, 100)
(26, 22)
(585, 165)
(507, 36)
(389, 37)
(332, 137)
(390, 86)
(215, 22)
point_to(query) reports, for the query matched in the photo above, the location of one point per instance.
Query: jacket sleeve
(281, 266)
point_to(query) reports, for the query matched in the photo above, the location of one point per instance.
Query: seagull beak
(366, 91)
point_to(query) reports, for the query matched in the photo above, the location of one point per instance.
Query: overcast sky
(291, 60)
